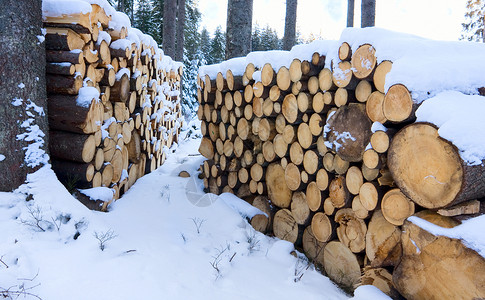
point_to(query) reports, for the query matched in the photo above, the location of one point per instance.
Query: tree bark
(239, 24)
(368, 13)
(169, 27)
(350, 13)
(179, 51)
(20, 49)
(289, 39)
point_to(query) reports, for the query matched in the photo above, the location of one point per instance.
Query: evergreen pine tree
(205, 44)
(193, 59)
(157, 15)
(189, 86)
(269, 39)
(144, 19)
(474, 21)
(256, 38)
(218, 49)
(192, 35)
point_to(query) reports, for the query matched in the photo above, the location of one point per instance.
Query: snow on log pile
(324, 140)
(113, 97)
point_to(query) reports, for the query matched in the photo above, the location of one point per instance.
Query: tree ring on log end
(424, 166)
(398, 104)
(278, 192)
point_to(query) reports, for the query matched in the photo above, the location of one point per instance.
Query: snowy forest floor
(162, 240)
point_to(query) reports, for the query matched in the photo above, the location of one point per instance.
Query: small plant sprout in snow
(15, 291)
(183, 238)
(217, 258)
(253, 241)
(104, 237)
(301, 266)
(198, 223)
(36, 219)
(2, 262)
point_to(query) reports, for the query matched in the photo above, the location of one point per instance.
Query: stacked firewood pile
(329, 156)
(113, 100)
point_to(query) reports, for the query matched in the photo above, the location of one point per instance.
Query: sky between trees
(436, 19)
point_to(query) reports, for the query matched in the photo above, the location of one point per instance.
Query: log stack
(320, 148)
(113, 100)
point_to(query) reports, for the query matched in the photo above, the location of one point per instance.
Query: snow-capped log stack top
(114, 101)
(319, 139)
(426, 67)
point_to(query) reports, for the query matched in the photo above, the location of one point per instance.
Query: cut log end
(413, 157)
(398, 106)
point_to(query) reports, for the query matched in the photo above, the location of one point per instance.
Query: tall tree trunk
(23, 124)
(169, 25)
(132, 11)
(289, 39)
(179, 52)
(238, 32)
(368, 13)
(350, 13)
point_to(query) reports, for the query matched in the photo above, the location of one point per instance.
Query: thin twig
(230, 260)
(1, 261)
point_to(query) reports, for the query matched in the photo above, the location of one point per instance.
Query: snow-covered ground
(168, 241)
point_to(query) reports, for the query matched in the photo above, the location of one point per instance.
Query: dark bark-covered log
(415, 152)
(63, 39)
(73, 174)
(351, 129)
(60, 84)
(72, 57)
(65, 69)
(71, 146)
(65, 114)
